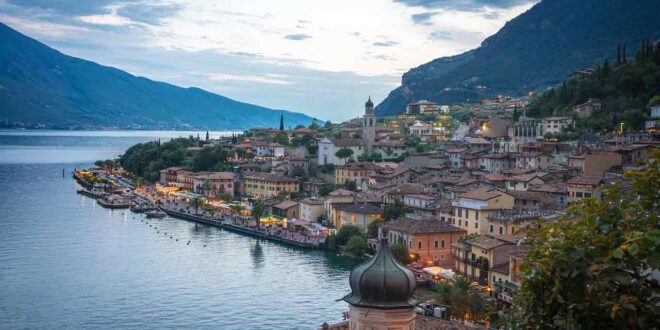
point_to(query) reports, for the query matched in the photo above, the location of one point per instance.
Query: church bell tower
(369, 128)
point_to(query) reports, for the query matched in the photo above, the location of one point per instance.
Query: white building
(555, 125)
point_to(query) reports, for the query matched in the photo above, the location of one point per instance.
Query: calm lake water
(65, 262)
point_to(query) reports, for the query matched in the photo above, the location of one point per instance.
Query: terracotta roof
(556, 188)
(341, 192)
(285, 205)
(310, 201)
(215, 175)
(269, 177)
(347, 142)
(361, 208)
(585, 180)
(487, 242)
(423, 226)
(482, 194)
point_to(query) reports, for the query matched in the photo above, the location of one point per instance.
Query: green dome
(382, 282)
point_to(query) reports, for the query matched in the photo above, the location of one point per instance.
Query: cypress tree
(281, 122)
(207, 136)
(618, 54)
(623, 54)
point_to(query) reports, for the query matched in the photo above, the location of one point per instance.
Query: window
(500, 230)
(578, 194)
(459, 222)
(419, 245)
(436, 244)
(476, 215)
(442, 243)
(587, 195)
(409, 244)
(476, 224)
(490, 228)
(460, 212)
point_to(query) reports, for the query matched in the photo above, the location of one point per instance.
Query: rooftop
(423, 226)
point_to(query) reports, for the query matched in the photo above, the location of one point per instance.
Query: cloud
(440, 35)
(386, 43)
(269, 78)
(149, 13)
(464, 5)
(423, 18)
(297, 36)
(68, 7)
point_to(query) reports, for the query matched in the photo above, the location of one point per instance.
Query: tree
(400, 253)
(357, 246)
(461, 298)
(351, 185)
(344, 153)
(328, 124)
(372, 229)
(346, 232)
(594, 267)
(394, 210)
(516, 114)
(282, 138)
(257, 212)
(206, 187)
(196, 203)
(281, 122)
(326, 189)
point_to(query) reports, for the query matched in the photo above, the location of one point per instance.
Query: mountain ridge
(533, 51)
(43, 87)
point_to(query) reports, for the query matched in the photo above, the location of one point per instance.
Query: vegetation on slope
(625, 90)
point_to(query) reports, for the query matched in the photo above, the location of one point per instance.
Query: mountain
(41, 86)
(535, 50)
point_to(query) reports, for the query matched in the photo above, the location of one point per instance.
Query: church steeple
(369, 107)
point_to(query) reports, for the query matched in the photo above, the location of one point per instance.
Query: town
(456, 190)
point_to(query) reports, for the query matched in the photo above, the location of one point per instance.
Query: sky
(322, 58)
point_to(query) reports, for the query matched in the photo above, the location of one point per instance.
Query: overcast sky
(323, 58)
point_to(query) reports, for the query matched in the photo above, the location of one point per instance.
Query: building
(334, 201)
(496, 127)
(429, 240)
(358, 172)
(268, 149)
(596, 162)
(359, 215)
(532, 161)
(169, 175)
(369, 128)
(267, 184)
(423, 107)
(328, 147)
(214, 184)
(509, 222)
(522, 182)
(286, 209)
(580, 188)
(471, 209)
(585, 109)
(311, 210)
(477, 258)
(495, 163)
(555, 125)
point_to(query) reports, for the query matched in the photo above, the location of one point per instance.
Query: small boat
(155, 214)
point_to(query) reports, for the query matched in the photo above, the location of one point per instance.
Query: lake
(65, 262)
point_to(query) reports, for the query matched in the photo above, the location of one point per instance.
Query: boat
(155, 214)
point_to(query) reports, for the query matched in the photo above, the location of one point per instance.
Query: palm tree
(462, 300)
(196, 203)
(206, 187)
(257, 211)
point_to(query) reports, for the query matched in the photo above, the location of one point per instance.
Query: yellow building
(266, 184)
(358, 172)
(481, 257)
(471, 209)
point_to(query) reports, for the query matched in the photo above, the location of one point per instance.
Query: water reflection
(257, 254)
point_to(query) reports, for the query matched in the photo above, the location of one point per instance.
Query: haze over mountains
(40, 86)
(535, 50)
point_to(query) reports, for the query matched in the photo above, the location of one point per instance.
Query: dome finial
(369, 103)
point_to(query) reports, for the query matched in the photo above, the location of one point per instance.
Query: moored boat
(155, 214)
